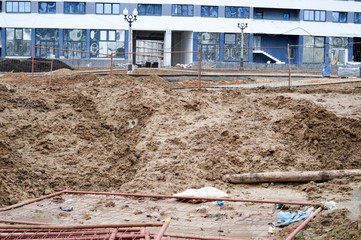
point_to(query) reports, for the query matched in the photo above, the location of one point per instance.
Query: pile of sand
(81, 137)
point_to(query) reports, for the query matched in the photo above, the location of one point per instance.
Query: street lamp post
(130, 18)
(242, 26)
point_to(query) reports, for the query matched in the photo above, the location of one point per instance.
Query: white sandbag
(206, 192)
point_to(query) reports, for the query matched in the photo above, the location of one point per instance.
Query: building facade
(321, 32)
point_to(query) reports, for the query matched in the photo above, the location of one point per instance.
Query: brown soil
(138, 135)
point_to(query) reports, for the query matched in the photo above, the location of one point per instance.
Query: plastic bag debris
(286, 218)
(67, 209)
(331, 205)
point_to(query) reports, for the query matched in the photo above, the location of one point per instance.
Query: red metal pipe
(114, 234)
(51, 72)
(31, 201)
(162, 229)
(111, 64)
(22, 222)
(199, 69)
(119, 225)
(303, 225)
(32, 65)
(67, 237)
(196, 237)
(189, 198)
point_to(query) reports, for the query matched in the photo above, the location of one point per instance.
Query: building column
(350, 49)
(126, 43)
(33, 36)
(195, 46)
(188, 41)
(250, 49)
(87, 47)
(3, 42)
(61, 42)
(299, 59)
(167, 61)
(221, 47)
(327, 51)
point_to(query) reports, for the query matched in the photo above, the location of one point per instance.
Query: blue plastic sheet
(286, 218)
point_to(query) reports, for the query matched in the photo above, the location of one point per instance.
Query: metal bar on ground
(163, 229)
(119, 225)
(196, 237)
(188, 198)
(22, 222)
(31, 201)
(303, 225)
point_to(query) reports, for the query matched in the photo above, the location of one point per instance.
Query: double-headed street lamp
(130, 18)
(242, 26)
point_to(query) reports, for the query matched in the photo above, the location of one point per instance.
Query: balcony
(276, 14)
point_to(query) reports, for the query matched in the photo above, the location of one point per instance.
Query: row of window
(177, 10)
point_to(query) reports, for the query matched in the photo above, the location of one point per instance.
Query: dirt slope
(122, 134)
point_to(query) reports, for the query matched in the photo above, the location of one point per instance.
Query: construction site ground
(146, 135)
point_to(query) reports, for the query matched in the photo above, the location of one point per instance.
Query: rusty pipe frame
(23, 222)
(303, 225)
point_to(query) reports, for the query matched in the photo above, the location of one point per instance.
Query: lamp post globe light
(130, 18)
(242, 26)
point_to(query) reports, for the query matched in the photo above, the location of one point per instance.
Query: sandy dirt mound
(122, 134)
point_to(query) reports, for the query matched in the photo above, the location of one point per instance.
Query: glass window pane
(19, 34)
(319, 41)
(103, 35)
(308, 41)
(21, 6)
(230, 38)
(319, 55)
(27, 7)
(204, 11)
(10, 34)
(335, 16)
(52, 7)
(116, 8)
(107, 8)
(213, 11)
(141, 9)
(27, 34)
(323, 16)
(308, 55)
(158, 10)
(43, 7)
(9, 7)
(15, 7)
(80, 8)
(343, 17)
(111, 36)
(99, 8)
(190, 10)
(184, 10)
(150, 9)
(174, 10)
(228, 12)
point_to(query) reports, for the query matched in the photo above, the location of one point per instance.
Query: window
(237, 12)
(74, 39)
(74, 7)
(339, 17)
(18, 41)
(104, 42)
(314, 49)
(47, 7)
(357, 17)
(259, 15)
(49, 38)
(286, 16)
(232, 46)
(150, 9)
(17, 7)
(314, 15)
(107, 8)
(182, 10)
(209, 11)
